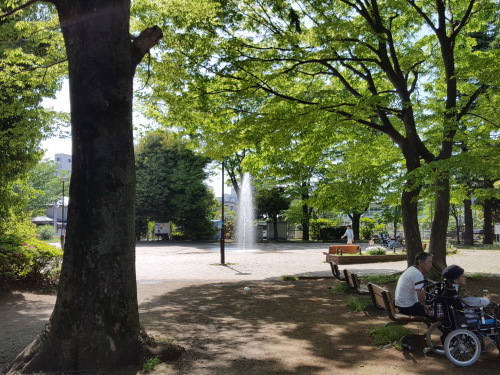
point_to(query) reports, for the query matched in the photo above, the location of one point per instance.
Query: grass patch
(151, 364)
(380, 279)
(357, 303)
(167, 341)
(339, 287)
(477, 276)
(290, 278)
(390, 334)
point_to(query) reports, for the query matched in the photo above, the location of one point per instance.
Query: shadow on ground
(277, 327)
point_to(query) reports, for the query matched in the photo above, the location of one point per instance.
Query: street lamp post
(222, 229)
(63, 180)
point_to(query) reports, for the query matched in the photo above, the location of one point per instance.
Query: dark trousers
(416, 309)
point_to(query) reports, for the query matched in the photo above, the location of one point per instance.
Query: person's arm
(418, 281)
(473, 301)
(421, 295)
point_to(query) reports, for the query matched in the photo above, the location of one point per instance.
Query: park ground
(242, 318)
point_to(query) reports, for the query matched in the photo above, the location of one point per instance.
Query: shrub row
(28, 259)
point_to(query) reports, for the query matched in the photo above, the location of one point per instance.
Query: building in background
(56, 214)
(63, 162)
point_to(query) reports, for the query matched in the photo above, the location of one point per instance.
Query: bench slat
(336, 271)
(382, 299)
(353, 282)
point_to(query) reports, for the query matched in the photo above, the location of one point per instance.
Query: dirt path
(249, 327)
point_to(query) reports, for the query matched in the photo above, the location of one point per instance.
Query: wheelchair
(459, 331)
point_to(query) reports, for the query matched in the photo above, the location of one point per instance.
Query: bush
(46, 232)
(376, 250)
(28, 259)
(317, 225)
(367, 228)
(325, 230)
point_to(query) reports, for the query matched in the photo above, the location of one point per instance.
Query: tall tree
(170, 185)
(95, 322)
(29, 71)
(405, 68)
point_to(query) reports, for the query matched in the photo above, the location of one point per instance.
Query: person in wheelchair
(456, 277)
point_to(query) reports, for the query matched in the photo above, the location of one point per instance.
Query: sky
(56, 145)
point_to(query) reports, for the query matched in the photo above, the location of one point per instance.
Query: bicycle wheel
(462, 347)
(433, 338)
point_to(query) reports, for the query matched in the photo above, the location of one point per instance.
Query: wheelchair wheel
(462, 347)
(433, 338)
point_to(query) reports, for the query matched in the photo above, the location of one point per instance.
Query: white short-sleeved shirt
(406, 290)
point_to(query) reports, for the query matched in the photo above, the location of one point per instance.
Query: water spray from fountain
(245, 226)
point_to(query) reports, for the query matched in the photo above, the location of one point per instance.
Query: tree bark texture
(95, 322)
(488, 227)
(306, 216)
(409, 207)
(469, 225)
(439, 226)
(410, 194)
(355, 218)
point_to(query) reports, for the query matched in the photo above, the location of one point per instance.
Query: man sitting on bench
(410, 298)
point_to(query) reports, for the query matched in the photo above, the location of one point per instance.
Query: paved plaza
(201, 262)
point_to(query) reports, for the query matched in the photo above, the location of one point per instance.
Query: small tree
(272, 202)
(367, 227)
(170, 185)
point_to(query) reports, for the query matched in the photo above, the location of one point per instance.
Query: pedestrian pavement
(159, 261)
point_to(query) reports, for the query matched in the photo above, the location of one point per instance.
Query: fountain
(245, 227)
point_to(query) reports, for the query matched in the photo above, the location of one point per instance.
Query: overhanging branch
(20, 7)
(144, 42)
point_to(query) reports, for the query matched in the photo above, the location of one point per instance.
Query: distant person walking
(349, 233)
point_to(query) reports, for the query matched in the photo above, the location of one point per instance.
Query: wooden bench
(352, 281)
(341, 249)
(336, 272)
(382, 299)
(348, 249)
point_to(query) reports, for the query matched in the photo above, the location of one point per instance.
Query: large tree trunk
(410, 194)
(468, 222)
(409, 207)
(275, 228)
(488, 217)
(305, 222)
(355, 225)
(95, 322)
(306, 213)
(439, 226)
(488, 222)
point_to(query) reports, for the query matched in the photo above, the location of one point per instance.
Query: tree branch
(20, 7)
(484, 119)
(465, 19)
(423, 15)
(144, 42)
(481, 89)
